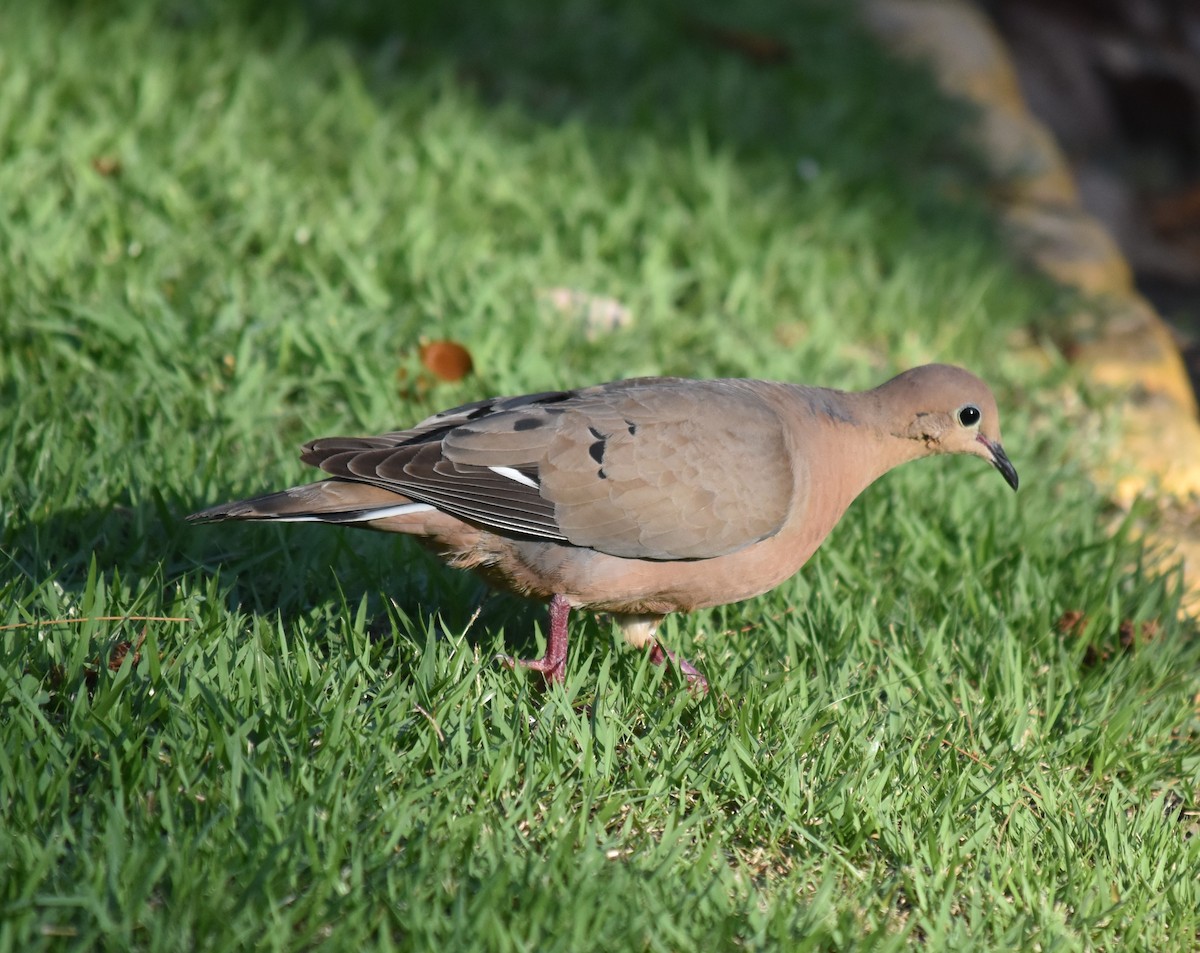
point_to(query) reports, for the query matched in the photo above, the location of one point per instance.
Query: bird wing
(656, 468)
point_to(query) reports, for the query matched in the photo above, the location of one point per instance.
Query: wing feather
(643, 468)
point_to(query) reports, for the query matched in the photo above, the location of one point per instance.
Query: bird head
(948, 410)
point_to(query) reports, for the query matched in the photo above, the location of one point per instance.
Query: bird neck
(872, 438)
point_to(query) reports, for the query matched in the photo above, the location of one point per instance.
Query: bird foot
(696, 680)
(552, 665)
(553, 669)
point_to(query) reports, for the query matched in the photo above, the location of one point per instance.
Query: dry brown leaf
(107, 166)
(447, 360)
(757, 47)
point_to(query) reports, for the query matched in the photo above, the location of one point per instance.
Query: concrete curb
(1128, 350)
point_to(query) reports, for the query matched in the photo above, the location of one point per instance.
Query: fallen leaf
(107, 166)
(446, 360)
(1129, 636)
(117, 656)
(757, 47)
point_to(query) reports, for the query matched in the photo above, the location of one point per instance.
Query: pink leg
(660, 656)
(552, 665)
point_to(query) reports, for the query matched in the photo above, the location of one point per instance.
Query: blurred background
(1118, 83)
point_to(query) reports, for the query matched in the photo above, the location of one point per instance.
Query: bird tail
(329, 501)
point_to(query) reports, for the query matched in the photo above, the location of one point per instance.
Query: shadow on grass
(263, 569)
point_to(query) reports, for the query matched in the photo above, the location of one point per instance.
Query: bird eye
(969, 416)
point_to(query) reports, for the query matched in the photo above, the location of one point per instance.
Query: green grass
(901, 748)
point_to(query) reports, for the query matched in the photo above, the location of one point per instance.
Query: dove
(640, 497)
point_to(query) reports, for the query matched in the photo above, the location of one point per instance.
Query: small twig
(987, 767)
(474, 617)
(97, 618)
(432, 721)
(967, 754)
(1011, 811)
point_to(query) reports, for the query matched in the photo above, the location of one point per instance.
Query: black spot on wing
(492, 405)
(540, 399)
(528, 423)
(596, 450)
(632, 427)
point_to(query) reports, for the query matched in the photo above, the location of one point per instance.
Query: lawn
(970, 722)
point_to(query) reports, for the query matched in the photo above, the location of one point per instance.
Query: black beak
(1000, 461)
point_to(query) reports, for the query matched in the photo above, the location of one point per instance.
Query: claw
(552, 665)
(696, 680)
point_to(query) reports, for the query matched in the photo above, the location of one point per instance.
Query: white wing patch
(363, 516)
(515, 475)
